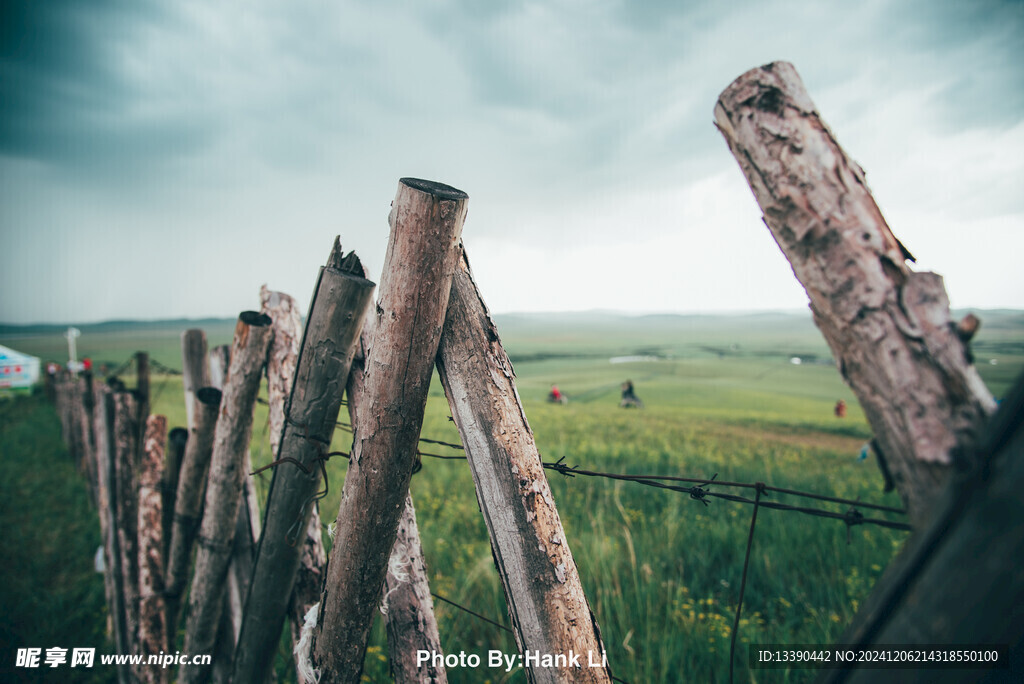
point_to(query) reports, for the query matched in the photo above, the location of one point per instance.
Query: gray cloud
(232, 120)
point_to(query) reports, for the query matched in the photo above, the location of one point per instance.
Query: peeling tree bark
(153, 637)
(426, 222)
(224, 488)
(411, 625)
(340, 298)
(548, 608)
(888, 326)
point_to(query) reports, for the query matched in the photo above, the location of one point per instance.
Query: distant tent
(17, 369)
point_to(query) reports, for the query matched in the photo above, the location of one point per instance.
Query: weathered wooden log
(88, 438)
(188, 500)
(153, 636)
(888, 326)
(103, 428)
(142, 383)
(220, 363)
(281, 367)
(408, 607)
(126, 465)
(411, 625)
(426, 222)
(240, 565)
(340, 298)
(959, 580)
(224, 488)
(177, 438)
(195, 370)
(548, 608)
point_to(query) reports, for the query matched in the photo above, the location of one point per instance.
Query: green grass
(661, 571)
(50, 594)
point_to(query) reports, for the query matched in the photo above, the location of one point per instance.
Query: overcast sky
(165, 159)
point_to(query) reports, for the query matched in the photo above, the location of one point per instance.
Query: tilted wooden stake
(103, 427)
(188, 500)
(153, 637)
(126, 465)
(281, 368)
(546, 602)
(411, 623)
(426, 222)
(340, 298)
(195, 371)
(176, 440)
(889, 327)
(224, 488)
(959, 580)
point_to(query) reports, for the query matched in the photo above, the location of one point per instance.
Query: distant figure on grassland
(629, 398)
(840, 409)
(555, 396)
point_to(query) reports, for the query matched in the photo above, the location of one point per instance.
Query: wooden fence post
(224, 488)
(195, 371)
(126, 464)
(340, 298)
(281, 368)
(411, 624)
(106, 494)
(546, 602)
(426, 223)
(888, 326)
(142, 390)
(220, 361)
(188, 500)
(177, 438)
(240, 564)
(153, 637)
(959, 580)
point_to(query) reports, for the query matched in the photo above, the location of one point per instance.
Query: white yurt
(17, 370)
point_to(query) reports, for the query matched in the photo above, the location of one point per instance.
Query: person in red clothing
(555, 395)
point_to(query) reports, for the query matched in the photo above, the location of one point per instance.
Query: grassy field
(662, 571)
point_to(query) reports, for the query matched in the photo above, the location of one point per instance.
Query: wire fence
(698, 489)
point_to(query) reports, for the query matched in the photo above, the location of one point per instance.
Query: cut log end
(209, 395)
(178, 436)
(438, 190)
(255, 318)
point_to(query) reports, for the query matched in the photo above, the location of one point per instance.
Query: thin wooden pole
(195, 370)
(177, 438)
(240, 565)
(153, 636)
(224, 489)
(188, 500)
(126, 465)
(142, 383)
(340, 298)
(423, 249)
(546, 602)
(888, 326)
(106, 494)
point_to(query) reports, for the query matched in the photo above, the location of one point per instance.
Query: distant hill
(536, 336)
